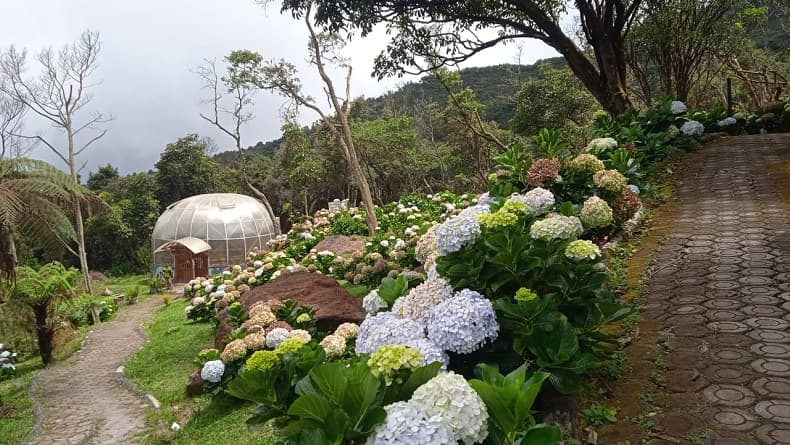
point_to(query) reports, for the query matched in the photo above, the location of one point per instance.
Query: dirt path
(719, 304)
(80, 401)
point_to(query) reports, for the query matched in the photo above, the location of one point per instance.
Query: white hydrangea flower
(633, 189)
(400, 244)
(539, 200)
(727, 121)
(408, 425)
(449, 396)
(462, 323)
(373, 303)
(422, 299)
(602, 144)
(385, 328)
(556, 227)
(677, 107)
(692, 128)
(197, 300)
(275, 337)
(212, 371)
(257, 263)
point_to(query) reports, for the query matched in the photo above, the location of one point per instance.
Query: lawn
(163, 366)
(17, 422)
(125, 284)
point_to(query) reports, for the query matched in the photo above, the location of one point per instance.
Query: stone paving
(80, 401)
(721, 292)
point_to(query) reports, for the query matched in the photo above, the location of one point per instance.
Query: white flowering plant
(8, 360)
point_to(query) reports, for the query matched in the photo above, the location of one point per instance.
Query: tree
(185, 170)
(59, 95)
(554, 99)
(281, 77)
(99, 179)
(40, 291)
(32, 199)
(427, 34)
(302, 166)
(684, 41)
(12, 114)
(242, 65)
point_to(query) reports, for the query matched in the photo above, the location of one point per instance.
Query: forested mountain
(495, 87)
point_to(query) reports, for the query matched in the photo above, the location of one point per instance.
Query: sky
(149, 50)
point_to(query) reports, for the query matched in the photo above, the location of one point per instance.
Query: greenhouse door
(201, 265)
(185, 265)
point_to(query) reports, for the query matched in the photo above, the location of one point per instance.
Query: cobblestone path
(721, 295)
(80, 400)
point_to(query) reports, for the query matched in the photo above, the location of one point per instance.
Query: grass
(16, 409)
(17, 424)
(162, 367)
(124, 284)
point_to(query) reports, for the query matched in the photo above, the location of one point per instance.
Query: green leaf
(311, 406)
(497, 409)
(336, 424)
(361, 392)
(253, 385)
(261, 415)
(330, 379)
(417, 378)
(542, 435)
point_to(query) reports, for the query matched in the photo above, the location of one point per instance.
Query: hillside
(495, 86)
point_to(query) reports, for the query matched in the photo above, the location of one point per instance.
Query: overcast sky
(149, 48)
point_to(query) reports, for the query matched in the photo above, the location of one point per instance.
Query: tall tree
(237, 84)
(280, 76)
(59, 96)
(99, 179)
(184, 170)
(684, 41)
(12, 113)
(427, 34)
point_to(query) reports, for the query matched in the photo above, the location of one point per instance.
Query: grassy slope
(14, 394)
(163, 366)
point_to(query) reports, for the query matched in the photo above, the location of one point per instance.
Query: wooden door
(201, 265)
(185, 266)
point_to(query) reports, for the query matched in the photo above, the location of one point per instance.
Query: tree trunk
(44, 332)
(82, 253)
(8, 258)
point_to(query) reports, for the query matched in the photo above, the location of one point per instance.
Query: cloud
(149, 48)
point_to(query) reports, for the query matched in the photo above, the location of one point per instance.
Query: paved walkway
(721, 292)
(80, 400)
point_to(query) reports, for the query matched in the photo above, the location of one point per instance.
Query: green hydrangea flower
(263, 360)
(586, 163)
(497, 220)
(581, 250)
(596, 213)
(525, 294)
(303, 318)
(292, 344)
(389, 359)
(611, 180)
(515, 207)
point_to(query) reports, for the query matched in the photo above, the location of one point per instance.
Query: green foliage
(78, 310)
(392, 289)
(553, 99)
(99, 179)
(509, 401)
(598, 414)
(184, 169)
(559, 331)
(549, 144)
(346, 224)
(296, 315)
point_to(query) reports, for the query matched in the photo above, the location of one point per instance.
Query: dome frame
(232, 224)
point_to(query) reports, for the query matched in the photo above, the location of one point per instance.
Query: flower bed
(513, 277)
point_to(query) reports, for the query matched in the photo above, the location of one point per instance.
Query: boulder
(341, 245)
(98, 276)
(195, 385)
(334, 305)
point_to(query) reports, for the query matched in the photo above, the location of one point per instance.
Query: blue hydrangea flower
(212, 371)
(462, 323)
(406, 424)
(373, 303)
(385, 328)
(430, 352)
(459, 230)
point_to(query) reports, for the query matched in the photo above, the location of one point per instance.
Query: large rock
(195, 385)
(341, 245)
(334, 305)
